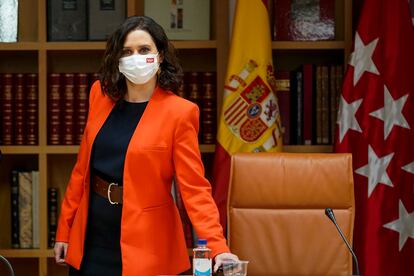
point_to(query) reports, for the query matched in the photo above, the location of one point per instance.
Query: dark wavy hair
(113, 82)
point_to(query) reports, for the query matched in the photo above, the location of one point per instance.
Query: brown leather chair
(276, 212)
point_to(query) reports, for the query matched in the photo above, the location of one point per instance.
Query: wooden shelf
(195, 44)
(20, 149)
(308, 45)
(68, 46)
(62, 149)
(100, 45)
(50, 253)
(207, 148)
(19, 46)
(22, 253)
(308, 148)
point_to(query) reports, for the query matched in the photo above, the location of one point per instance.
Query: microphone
(330, 214)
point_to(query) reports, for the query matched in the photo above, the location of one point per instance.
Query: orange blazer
(163, 146)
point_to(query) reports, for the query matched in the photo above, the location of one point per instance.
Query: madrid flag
(250, 120)
(376, 124)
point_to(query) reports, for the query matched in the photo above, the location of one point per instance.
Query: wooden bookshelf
(34, 54)
(20, 149)
(73, 46)
(23, 253)
(19, 46)
(308, 45)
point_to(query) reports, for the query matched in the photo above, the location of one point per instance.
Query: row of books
(52, 215)
(68, 104)
(19, 109)
(83, 20)
(290, 19)
(24, 196)
(96, 19)
(25, 211)
(67, 107)
(308, 102)
(200, 88)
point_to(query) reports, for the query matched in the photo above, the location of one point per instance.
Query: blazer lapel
(103, 109)
(100, 113)
(151, 112)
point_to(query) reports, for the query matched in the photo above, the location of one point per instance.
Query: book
(32, 109)
(19, 109)
(52, 202)
(194, 95)
(8, 20)
(7, 120)
(181, 19)
(304, 20)
(296, 132)
(208, 108)
(318, 105)
(283, 97)
(325, 105)
(193, 90)
(54, 109)
(66, 20)
(92, 78)
(68, 105)
(339, 71)
(35, 209)
(81, 105)
(25, 209)
(332, 101)
(308, 104)
(14, 199)
(181, 90)
(105, 16)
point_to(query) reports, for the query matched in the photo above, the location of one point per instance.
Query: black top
(111, 143)
(102, 254)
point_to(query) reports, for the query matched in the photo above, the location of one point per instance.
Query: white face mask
(139, 69)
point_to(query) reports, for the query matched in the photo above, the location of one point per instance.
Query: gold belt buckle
(109, 193)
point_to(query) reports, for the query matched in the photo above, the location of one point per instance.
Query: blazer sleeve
(194, 187)
(75, 189)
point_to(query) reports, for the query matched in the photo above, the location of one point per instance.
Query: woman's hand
(60, 250)
(220, 258)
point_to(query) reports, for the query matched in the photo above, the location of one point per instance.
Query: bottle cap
(202, 242)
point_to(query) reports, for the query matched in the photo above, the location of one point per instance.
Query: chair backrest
(276, 212)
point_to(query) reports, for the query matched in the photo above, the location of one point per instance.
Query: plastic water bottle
(202, 259)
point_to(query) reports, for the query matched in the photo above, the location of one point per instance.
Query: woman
(118, 216)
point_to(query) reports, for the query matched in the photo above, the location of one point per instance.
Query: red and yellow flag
(250, 119)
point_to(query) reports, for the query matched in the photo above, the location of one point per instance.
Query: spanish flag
(250, 119)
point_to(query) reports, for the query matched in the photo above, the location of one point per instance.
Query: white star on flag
(409, 168)
(404, 225)
(361, 58)
(391, 113)
(346, 117)
(376, 170)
